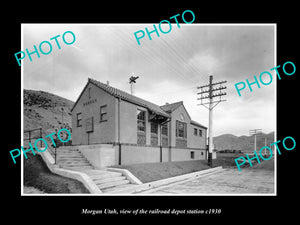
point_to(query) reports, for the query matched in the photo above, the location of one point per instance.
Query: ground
(32, 190)
(230, 181)
(39, 179)
(258, 179)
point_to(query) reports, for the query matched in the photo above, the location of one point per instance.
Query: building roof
(128, 97)
(171, 107)
(197, 124)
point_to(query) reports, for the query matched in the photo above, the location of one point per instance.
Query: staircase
(72, 159)
(107, 181)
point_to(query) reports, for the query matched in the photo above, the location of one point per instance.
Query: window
(180, 129)
(196, 131)
(164, 129)
(154, 128)
(192, 155)
(103, 113)
(200, 133)
(141, 121)
(79, 120)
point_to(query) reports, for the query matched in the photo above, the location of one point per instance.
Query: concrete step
(77, 168)
(121, 189)
(65, 150)
(67, 158)
(95, 172)
(68, 147)
(72, 164)
(103, 176)
(69, 154)
(70, 159)
(108, 179)
(112, 184)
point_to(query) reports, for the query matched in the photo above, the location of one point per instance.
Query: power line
(189, 65)
(151, 56)
(178, 55)
(170, 91)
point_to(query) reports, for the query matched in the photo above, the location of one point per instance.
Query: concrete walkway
(230, 181)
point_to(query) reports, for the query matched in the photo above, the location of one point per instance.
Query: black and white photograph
(140, 111)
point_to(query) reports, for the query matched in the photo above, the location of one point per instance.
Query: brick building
(111, 127)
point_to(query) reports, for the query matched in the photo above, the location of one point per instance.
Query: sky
(170, 67)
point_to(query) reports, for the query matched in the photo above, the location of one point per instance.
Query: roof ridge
(173, 103)
(170, 106)
(129, 97)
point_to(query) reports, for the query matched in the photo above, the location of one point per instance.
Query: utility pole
(213, 92)
(255, 132)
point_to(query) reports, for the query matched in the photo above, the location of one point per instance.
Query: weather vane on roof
(132, 81)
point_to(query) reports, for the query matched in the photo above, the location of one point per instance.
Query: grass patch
(264, 165)
(148, 172)
(37, 175)
(226, 159)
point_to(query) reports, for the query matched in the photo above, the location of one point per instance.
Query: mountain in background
(244, 143)
(46, 110)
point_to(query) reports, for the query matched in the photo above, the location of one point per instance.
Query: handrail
(32, 130)
(29, 134)
(40, 136)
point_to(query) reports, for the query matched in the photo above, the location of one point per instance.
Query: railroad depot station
(112, 127)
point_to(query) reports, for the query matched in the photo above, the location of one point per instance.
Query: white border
(22, 113)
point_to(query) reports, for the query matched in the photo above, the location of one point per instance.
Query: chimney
(167, 103)
(107, 83)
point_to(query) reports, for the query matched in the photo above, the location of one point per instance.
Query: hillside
(46, 110)
(244, 143)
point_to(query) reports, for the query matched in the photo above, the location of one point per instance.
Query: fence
(30, 135)
(34, 134)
